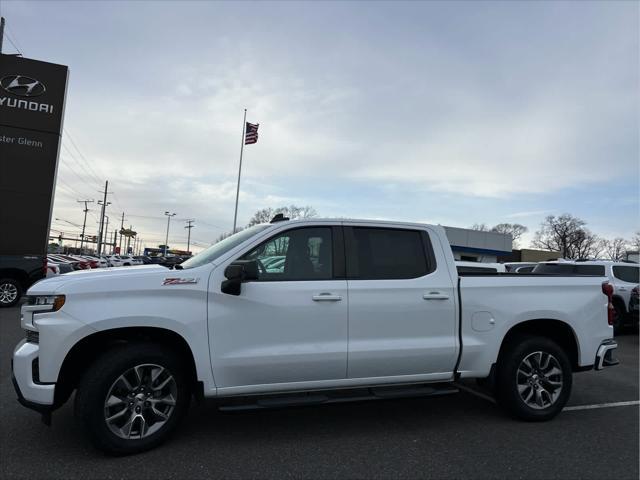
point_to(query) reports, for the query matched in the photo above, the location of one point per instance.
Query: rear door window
(628, 274)
(386, 253)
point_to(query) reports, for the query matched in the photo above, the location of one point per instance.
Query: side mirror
(237, 273)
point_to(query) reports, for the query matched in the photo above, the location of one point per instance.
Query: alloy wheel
(539, 379)
(140, 401)
(8, 293)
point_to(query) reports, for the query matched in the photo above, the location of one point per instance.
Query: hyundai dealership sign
(32, 99)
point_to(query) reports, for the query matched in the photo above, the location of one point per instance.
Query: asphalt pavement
(456, 436)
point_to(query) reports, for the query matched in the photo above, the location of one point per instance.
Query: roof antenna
(279, 218)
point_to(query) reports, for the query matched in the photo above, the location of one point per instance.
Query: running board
(336, 396)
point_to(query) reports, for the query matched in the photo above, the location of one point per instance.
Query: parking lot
(462, 435)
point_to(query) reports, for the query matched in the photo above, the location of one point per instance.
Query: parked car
(343, 320)
(79, 262)
(93, 262)
(633, 303)
(60, 259)
(128, 260)
(65, 266)
(115, 260)
(52, 269)
(97, 262)
(622, 275)
(17, 274)
(479, 267)
(144, 259)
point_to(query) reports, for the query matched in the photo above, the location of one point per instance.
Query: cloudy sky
(454, 113)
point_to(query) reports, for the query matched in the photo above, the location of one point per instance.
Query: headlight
(47, 302)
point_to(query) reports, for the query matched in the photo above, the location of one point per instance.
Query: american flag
(251, 133)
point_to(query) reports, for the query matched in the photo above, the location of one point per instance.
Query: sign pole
(235, 214)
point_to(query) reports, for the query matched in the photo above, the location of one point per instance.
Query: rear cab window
(465, 269)
(569, 269)
(379, 253)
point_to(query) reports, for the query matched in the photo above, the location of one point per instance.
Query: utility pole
(128, 239)
(84, 223)
(189, 227)
(105, 240)
(121, 228)
(166, 240)
(104, 204)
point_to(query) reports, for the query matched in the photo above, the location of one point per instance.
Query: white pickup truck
(297, 312)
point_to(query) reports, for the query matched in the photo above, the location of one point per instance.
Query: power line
(19, 45)
(86, 170)
(99, 173)
(6, 34)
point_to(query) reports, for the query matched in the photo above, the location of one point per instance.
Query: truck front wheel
(133, 397)
(10, 292)
(533, 378)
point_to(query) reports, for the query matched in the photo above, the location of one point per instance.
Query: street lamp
(166, 240)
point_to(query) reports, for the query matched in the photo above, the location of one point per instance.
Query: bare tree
(635, 241)
(481, 227)
(292, 211)
(568, 235)
(514, 229)
(614, 249)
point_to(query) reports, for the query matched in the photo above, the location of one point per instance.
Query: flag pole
(235, 214)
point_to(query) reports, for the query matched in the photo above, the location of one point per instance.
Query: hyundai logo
(22, 86)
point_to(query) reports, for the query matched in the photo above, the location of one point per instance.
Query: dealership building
(476, 246)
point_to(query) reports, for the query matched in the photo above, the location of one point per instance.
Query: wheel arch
(89, 348)
(16, 274)
(557, 330)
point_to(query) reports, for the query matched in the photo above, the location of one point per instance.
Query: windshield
(222, 247)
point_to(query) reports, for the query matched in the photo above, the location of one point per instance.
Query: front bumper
(604, 356)
(31, 393)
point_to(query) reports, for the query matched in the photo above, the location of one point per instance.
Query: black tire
(507, 377)
(8, 288)
(99, 380)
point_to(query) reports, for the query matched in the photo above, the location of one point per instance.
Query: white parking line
(568, 409)
(602, 405)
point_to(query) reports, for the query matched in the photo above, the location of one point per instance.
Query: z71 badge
(179, 281)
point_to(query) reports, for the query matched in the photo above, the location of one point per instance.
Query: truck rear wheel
(132, 398)
(533, 378)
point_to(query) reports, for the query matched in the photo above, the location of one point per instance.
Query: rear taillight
(607, 289)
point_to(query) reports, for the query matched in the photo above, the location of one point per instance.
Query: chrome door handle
(435, 296)
(326, 297)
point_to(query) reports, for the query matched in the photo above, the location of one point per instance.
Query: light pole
(166, 240)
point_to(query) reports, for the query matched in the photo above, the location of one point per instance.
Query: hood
(100, 276)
